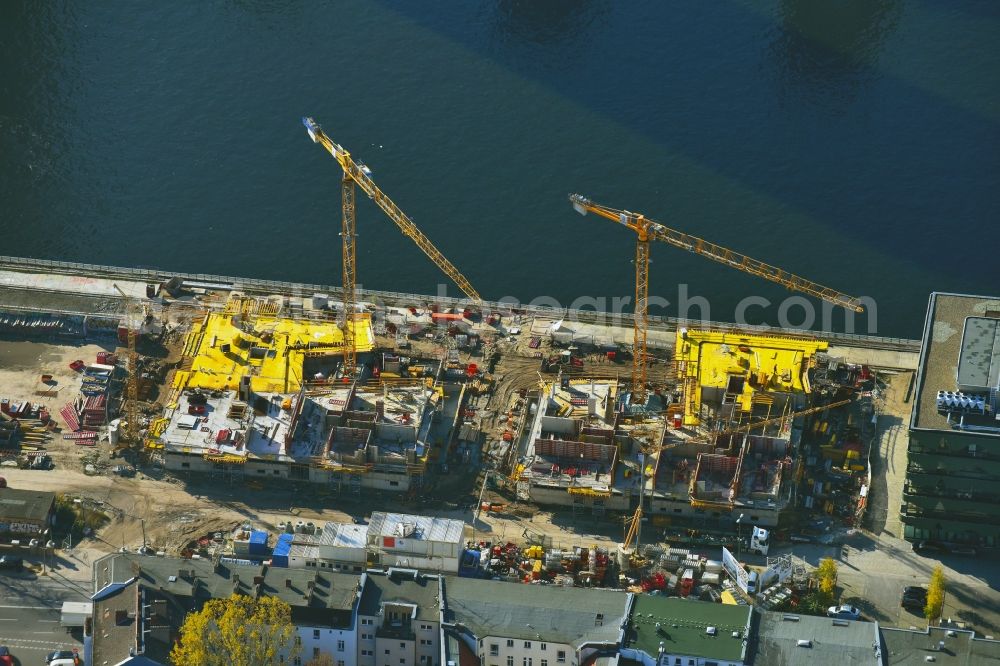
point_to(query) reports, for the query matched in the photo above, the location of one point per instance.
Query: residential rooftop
(788, 639)
(954, 349)
(570, 615)
(684, 627)
(402, 586)
(905, 647)
(19, 504)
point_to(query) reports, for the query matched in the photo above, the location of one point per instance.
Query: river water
(852, 142)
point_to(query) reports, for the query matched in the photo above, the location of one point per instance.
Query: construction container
(279, 558)
(257, 543)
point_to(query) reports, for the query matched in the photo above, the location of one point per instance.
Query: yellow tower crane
(647, 230)
(360, 175)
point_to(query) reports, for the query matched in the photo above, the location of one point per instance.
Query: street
(32, 631)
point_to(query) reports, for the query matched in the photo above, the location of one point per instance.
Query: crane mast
(349, 275)
(647, 230)
(131, 397)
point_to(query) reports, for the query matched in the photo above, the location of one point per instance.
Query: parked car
(929, 548)
(844, 612)
(60, 654)
(11, 563)
(5, 658)
(914, 597)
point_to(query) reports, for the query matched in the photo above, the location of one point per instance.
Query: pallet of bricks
(95, 411)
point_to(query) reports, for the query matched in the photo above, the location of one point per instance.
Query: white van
(752, 582)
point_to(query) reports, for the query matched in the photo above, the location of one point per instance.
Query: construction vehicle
(360, 175)
(629, 549)
(647, 230)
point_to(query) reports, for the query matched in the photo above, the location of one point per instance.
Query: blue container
(281, 549)
(258, 542)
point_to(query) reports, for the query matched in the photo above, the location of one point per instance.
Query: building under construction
(724, 444)
(259, 395)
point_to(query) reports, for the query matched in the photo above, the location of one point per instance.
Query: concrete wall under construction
(764, 516)
(262, 469)
(553, 496)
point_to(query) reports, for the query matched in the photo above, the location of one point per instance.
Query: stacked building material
(69, 416)
(95, 411)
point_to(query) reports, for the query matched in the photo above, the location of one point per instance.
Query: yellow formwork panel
(709, 359)
(223, 355)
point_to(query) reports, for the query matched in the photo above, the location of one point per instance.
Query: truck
(75, 613)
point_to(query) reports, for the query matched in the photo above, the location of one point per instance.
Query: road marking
(9, 619)
(52, 608)
(48, 620)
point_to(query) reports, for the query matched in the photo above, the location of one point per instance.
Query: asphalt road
(31, 632)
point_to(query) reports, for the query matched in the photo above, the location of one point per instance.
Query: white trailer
(75, 613)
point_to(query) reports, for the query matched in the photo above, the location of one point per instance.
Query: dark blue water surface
(853, 142)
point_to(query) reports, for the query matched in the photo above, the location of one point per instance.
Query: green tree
(826, 575)
(935, 595)
(238, 630)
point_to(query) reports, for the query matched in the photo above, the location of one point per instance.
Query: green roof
(684, 627)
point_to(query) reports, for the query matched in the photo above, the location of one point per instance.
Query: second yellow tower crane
(647, 230)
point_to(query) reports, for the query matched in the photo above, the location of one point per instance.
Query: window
(561, 656)
(394, 483)
(544, 646)
(423, 659)
(527, 645)
(526, 661)
(367, 653)
(754, 518)
(186, 465)
(678, 510)
(510, 642)
(298, 639)
(340, 646)
(677, 661)
(494, 650)
(315, 652)
(297, 661)
(262, 471)
(340, 662)
(402, 645)
(402, 660)
(510, 661)
(366, 620)
(315, 633)
(388, 651)
(545, 662)
(277, 471)
(366, 637)
(690, 662)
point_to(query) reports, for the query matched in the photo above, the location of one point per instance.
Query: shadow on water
(818, 152)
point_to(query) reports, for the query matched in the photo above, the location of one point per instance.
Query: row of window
(325, 565)
(495, 649)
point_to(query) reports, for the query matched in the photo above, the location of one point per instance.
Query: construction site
(667, 431)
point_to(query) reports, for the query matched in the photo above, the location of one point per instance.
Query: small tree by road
(238, 630)
(826, 576)
(935, 595)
